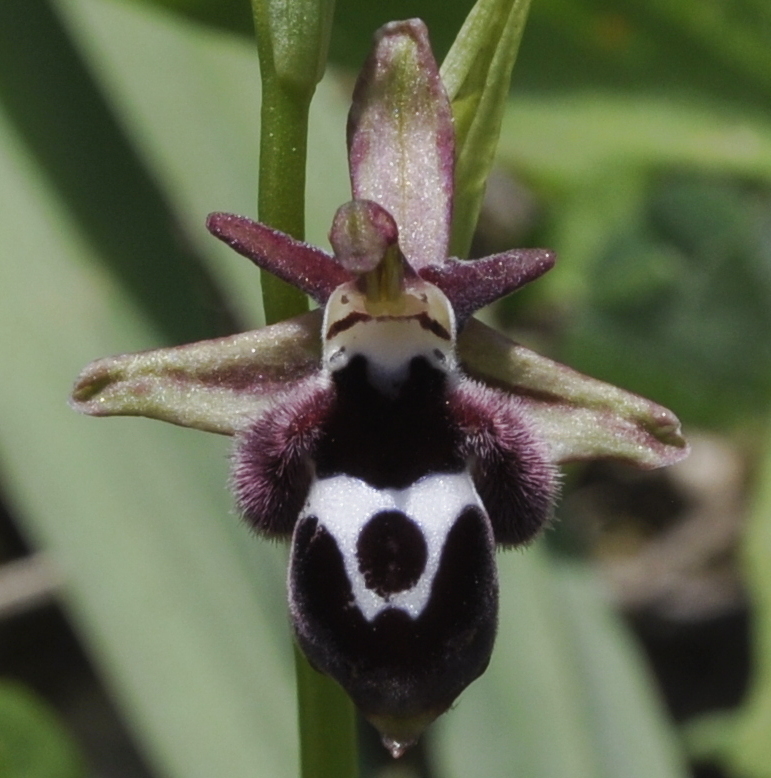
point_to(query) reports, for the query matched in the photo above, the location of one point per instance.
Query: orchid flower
(395, 439)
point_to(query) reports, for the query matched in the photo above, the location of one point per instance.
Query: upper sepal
(578, 417)
(219, 385)
(401, 143)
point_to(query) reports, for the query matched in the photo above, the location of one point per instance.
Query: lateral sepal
(219, 385)
(578, 417)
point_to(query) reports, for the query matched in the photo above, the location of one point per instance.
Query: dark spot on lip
(392, 553)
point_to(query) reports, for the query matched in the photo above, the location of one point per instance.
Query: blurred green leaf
(560, 142)
(231, 15)
(566, 693)
(477, 73)
(672, 267)
(736, 34)
(52, 100)
(748, 750)
(33, 743)
(674, 47)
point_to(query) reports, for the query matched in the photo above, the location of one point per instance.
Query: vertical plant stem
(327, 725)
(326, 718)
(281, 201)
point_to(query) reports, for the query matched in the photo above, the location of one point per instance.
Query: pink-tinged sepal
(576, 416)
(401, 142)
(308, 268)
(273, 459)
(512, 472)
(219, 385)
(473, 284)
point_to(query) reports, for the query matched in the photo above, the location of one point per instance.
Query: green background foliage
(643, 130)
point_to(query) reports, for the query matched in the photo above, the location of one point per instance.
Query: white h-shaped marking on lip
(344, 504)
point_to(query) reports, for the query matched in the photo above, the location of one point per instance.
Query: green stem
(326, 717)
(281, 202)
(327, 725)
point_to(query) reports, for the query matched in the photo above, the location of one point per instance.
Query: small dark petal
(470, 285)
(272, 461)
(308, 268)
(510, 466)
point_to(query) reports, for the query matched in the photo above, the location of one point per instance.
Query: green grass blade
(565, 696)
(55, 104)
(477, 74)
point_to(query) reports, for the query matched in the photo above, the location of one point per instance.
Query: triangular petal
(579, 417)
(308, 268)
(216, 385)
(472, 284)
(401, 140)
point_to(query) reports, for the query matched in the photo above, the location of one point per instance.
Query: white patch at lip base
(343, 505)
(391, 336)
(389, 346)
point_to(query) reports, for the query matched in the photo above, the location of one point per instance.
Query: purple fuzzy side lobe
(272, 462)
(510, 467)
